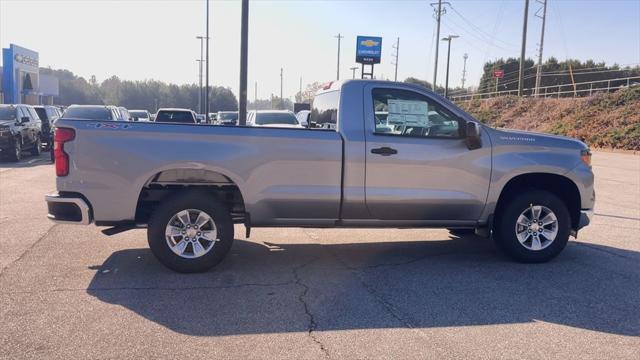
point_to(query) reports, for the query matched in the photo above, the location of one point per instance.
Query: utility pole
(464, 69)
(300, 85)
(255, 96)
(446, 83)
(206, 103)
(338, 71)
(522, 51)
(397, 48)
(439, 12)
(353, 71)
(544, 18)
(244, 46)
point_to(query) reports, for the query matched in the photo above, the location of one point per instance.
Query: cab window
(407, 113)
(324, 110)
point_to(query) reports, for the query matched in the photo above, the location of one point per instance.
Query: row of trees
(148, 94)
(554, 73)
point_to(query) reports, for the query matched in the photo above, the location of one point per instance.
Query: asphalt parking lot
(69, 291)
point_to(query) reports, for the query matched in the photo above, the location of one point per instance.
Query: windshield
(228, 116)
(139, 114)
(88, 113)
(175, 117)
(276, 118)
(7, 113)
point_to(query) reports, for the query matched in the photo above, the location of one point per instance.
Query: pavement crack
(24, 253)
(301, 298)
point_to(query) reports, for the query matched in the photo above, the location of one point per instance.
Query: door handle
(384, 151)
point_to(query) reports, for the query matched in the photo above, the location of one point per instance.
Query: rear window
(88, 113)
(42, 113)
(324, 110)
(276, 118)
(228, 116)
(7, 113)
(139, 114)
(175, 117)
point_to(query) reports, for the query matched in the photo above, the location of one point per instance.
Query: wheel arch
(165, 182)
(559, 185)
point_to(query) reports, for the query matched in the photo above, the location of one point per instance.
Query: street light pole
(206, 102)
(353, 71)
(338, 70)
(281, 101)
(446, 82)
(200, 82)
(201, 38)
(244, 46)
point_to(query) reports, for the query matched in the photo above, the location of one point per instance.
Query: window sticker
(408, 113)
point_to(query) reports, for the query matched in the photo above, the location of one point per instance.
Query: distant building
(21, 81)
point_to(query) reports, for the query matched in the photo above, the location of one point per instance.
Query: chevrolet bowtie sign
(368, 49)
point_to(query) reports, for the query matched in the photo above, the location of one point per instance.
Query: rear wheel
(17, 150)
(533, 226)
(190, 232)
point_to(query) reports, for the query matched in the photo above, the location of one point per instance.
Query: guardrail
(580, 89)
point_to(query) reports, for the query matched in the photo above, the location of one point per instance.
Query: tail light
(61, 136)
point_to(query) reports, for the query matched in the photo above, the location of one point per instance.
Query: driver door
(418, 166)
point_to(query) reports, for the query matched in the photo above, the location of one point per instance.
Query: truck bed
(277, 170)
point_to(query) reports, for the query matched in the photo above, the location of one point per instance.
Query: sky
(156, 39)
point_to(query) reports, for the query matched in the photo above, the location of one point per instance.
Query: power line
(478, 29)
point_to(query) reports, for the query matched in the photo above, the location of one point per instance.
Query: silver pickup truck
(375, 154)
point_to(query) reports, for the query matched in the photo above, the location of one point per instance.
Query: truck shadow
(276, 288)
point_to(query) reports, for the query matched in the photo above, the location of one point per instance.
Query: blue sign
(20, 73)
(368, 49)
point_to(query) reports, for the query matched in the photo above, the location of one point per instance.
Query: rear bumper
(585, 218)
(68, 209)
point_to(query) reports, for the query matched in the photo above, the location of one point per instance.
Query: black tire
(182, 201)
(17, 150)
(37, 147)
(505, 224)
(462, 232)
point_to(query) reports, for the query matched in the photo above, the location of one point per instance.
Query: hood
(536, 139)
(7, 122)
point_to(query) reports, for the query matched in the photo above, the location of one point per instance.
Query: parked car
(184, 116)
(273, 118)
(124, 114)
(140, 115)
(48, 115)
(20, 129)
(213, 117)
(201, 119)
(92, 112)
(303, 117)
(227, 118)
(530, 191)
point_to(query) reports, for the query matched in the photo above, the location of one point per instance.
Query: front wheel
(533, 226)
(37, 147)
(190, 232)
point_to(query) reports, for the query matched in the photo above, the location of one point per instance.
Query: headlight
(585, 155)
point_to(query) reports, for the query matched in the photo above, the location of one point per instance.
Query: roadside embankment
(603, 120)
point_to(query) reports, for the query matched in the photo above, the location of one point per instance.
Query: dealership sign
(368, 49)
(498, 74)
(26, 60)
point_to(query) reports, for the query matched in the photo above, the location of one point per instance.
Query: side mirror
(473, 133)
(24, 119)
